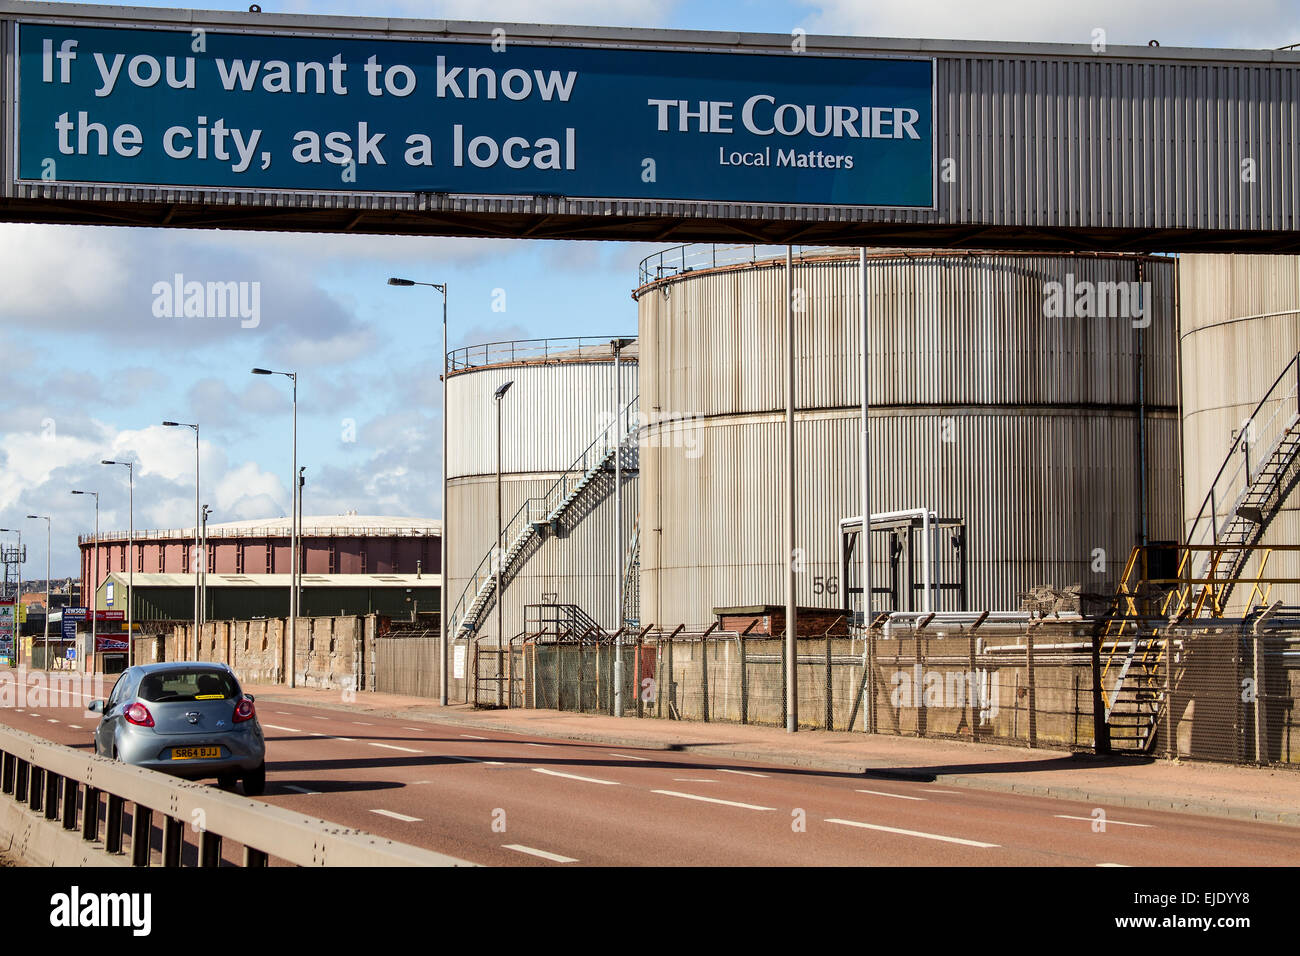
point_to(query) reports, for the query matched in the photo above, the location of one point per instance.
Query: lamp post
(443, 649)
(497, 396)
(46, 519)
(618, 345)
(94, 641)
(18, 594)
(297, 568)
(293, 527)
(203, 590)
(130, 572)
(198, 545)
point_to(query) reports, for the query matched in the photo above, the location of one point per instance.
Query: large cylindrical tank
(991, 403)
(1240, 331)
(562, 397)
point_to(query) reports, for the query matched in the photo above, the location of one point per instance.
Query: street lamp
(293, 528)
(618, 345)
(130, 573)
(46, 519)
(18, 594)
(203, 590)
(94, 642)
(442, 589)
(497, 396)
(198, 546)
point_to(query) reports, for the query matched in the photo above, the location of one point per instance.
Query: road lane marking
(743, 773)
(51, 720)
(284, 713)
(395, 747)
(727, 803)
(1106, 821)
(290, 786)
(470, 736)
(397, 816)
(362, 723)
(418, 730)
(574, 776)
(292, 730)
(553, 857)
(898, 796)
(928, 790)
(75, 726)
(330, 737)
(494, 763)
(914, 833)
(314, 717)
(529, 743)
(1123, 865)
(628, 757)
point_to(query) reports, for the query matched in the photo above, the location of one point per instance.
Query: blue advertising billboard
(319, 113)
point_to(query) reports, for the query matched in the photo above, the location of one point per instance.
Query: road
(512, 799)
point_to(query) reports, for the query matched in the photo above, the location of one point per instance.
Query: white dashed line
(395, 747)
(314, 717)
(628, 757)
(493, 763)
(470, 736)
(51, 720)
(418, 730)
(1124, 865)
(574, 776)
(727, 803)
(743, 773)
(362, 723)
(899, 796)
(291, 730)
(553, 857)
(1106, 821)
(330, 737)
(75, 726)
(290, 786)
(397, 816)
(913, 833)
(529, 743)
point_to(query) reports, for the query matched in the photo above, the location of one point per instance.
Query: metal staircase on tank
(537, 514)
(1209, 566)
(632, 578)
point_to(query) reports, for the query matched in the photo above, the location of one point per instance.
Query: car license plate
(195, 753)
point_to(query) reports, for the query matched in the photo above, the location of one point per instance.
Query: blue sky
(94, 372)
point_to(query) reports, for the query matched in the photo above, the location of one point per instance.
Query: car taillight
(139, 715)
(244, 710)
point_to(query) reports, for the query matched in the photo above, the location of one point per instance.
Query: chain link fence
(1218, 690)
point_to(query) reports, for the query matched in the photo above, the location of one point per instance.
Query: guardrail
(53, 791)
(713, 255)
(530, 350)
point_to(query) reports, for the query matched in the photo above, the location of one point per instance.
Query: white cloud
(1250, 23)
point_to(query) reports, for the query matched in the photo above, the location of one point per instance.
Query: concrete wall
(331, 651)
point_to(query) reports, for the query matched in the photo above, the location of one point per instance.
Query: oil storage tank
(1030, 398)
(558, 424)
(1240, 333)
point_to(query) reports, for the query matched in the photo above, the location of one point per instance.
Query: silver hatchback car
(185, 718)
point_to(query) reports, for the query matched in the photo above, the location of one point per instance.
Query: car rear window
(188, 685)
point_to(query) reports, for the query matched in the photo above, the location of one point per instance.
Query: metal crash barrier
(50, 792)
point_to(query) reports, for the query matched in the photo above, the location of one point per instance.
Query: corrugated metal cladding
(1233, 348)
(1040, 136)
(549, 417)
(985, 409)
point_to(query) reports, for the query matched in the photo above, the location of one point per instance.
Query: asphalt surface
(512, 799)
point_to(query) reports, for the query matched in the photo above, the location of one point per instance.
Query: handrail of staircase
(580, 465)
(1243, 436)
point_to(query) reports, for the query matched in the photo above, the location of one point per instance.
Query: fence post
(974, 688)
(1029, 668)
(1100, 729)
(744, 673)
(830, 700)
(1170, 748)
(704, 669)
